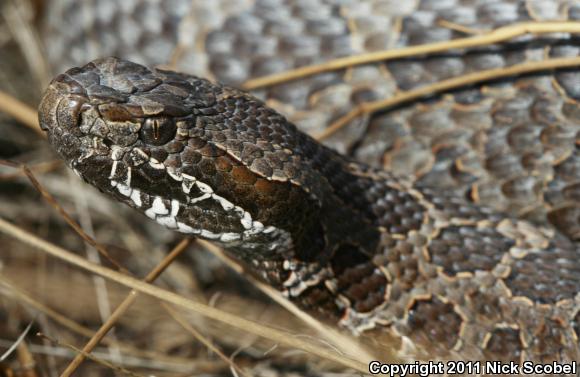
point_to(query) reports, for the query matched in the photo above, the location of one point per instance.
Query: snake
(451, 222)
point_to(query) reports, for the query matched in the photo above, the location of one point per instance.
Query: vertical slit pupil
(156, 134)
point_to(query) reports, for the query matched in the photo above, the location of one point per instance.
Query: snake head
(196, 157)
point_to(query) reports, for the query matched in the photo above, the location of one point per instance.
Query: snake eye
(157, 131)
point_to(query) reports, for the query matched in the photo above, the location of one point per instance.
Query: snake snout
(61, 105)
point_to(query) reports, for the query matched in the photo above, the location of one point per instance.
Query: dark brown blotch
(243, 175)
(434, 323)
(505, 345)
(358, 279)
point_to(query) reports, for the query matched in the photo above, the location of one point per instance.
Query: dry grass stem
(23, 297)
(123, 307)
(495, 36)
(444, 85)
(275, 335)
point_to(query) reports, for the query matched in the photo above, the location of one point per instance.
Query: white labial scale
(168, 217)
(187, 182)
(170, 221)
(156, 164)
(175, 175)
(136, 198)
(203, 187)
(167, 221)
(199, 198)
(126, 190)
(174, 208)
(229, 237)
(117, 153)
(226, 204)
(223, 237)
(183, 228)
(246, 220)
(209, 235)
(129, 175)
(157, 208)
(113, 169)
(269, 229)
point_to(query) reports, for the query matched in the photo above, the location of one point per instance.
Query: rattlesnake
(438, 255)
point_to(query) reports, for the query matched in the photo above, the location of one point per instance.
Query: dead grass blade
(445, 85)
(123, 307)
(282, 337)
(23, 297)
(495, 36)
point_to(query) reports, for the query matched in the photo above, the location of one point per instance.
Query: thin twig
(123, 307)
(445, 85)
(495, 36)
(282, 337)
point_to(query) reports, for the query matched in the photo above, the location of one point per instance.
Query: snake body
(440, 255)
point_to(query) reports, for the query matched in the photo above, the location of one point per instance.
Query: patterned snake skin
(453, 222)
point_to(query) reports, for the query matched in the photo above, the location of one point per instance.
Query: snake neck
(330, 219)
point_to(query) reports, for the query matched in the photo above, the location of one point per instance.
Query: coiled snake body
(426, 258)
